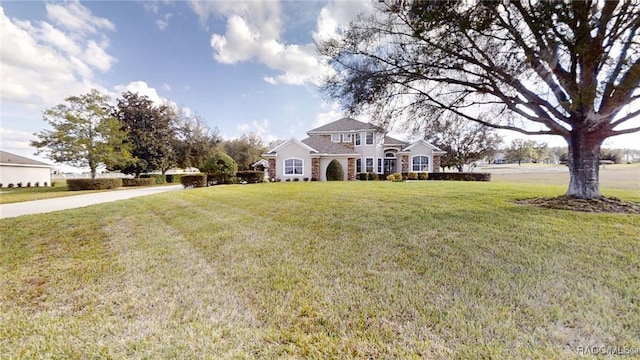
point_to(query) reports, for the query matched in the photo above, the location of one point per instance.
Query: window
(420, 164)
(379, 165)
(369, 164)
(369, 139)
(358, 142)
(335, 138)
(358, 166)
(346, 138)
(293, 167)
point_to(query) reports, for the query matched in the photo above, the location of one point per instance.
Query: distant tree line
(136, 136)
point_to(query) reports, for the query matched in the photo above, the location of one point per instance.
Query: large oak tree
(570, 69)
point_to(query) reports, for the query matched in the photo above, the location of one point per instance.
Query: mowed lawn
(342, 270)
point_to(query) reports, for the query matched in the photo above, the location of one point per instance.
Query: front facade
(16, 169)
(360, 148)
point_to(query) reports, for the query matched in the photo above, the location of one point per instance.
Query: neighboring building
(359, 147)
(16, 169)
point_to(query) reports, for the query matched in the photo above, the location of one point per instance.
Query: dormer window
(346, 138)
(358, 141)
(335, 138)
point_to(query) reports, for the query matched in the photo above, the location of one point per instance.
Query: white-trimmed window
(293, 167)
(379, 165)
(358, 166)
(358, 140)
(369, 139)
(346, 138)
(335, 138)
(368, 164)
(420, 163)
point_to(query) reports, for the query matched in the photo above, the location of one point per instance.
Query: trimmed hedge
(251, 176)
(93, 184)
(396, 177)
(159, 179)
(194, 180)
(173, 178)
(335, 171)
(137, 182)
(460, 176)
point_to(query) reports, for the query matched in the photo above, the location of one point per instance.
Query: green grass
(321, 270)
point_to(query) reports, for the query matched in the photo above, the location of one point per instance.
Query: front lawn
(322, 270)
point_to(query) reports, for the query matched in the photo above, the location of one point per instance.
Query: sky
(243, 66)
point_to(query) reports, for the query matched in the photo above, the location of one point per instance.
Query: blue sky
(242, 66)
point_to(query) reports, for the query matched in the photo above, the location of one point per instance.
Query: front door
(389, 166)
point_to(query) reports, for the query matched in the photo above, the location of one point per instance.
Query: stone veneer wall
(436, 163)
(405, 164)
(272, 168)
(315, 168)
(351, 169)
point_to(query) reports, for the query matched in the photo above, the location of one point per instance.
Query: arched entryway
(335, 171)
(390, 163)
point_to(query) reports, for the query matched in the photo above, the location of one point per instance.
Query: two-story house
(359, 147)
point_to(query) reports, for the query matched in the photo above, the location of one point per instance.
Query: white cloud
(164, 21)
(334, 113)
(253, 33)
(166, 87)
(49, 62)
(143, 89)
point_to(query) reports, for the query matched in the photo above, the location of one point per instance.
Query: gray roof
(388, 140)
(326, 146)
(9, 158)
(343, 125)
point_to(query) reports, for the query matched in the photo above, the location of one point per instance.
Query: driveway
(72, 202)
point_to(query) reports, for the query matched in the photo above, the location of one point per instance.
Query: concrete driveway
(77, 201)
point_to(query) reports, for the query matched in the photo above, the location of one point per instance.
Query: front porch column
(315, 168)
(272, 168)
(436, 163)
(351, 169)
(405, 164)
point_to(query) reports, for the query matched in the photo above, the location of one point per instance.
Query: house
(16, 169)
(358, 147)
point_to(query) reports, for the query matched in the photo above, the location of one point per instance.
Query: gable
(345, 125)
(10, 159)
(292, 145)
(423, 147)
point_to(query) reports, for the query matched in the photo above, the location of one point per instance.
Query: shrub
(306, 179)
(335, 171)
(158, 179)
(19, 184)
(194, 180)
(461, 176)
(296, 179)
(93, 184)
(423, 176)
(413, 176)
(138, 182)
(222, 167)
(0, 185)
(363, 176)
(397, 177)
(173, 178)
(251, 176)
(45, 184)
(372, 176)
(29, 184)
(10, 185)
(37, 184)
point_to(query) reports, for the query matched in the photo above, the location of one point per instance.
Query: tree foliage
(84, 133)
(464, 142)
(245, 150)
(151, 133)
(335, 171)
(570, 69)
(194, 142)
(221, 166)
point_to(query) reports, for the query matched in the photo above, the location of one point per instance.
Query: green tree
(566, 68)
(151, 133)
(464, 142)
(519, 150)
(84, 133)
(194, 142)
(221, 166)
(245, 150)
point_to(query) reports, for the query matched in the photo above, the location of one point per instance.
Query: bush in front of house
(194, 180)
(334, 171)
(138, 182)
(93, 184)
(251, 176)
(158, 179)
(412, 176)
(460, 176)
(397, 177)
(423, 176)
(221, 167)
(372, 176)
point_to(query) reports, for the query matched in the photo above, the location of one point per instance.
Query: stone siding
(351, 169)
(436, 163)
(272, 168)
(315, 168)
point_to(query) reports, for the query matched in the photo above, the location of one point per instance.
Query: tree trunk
(583, 162)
